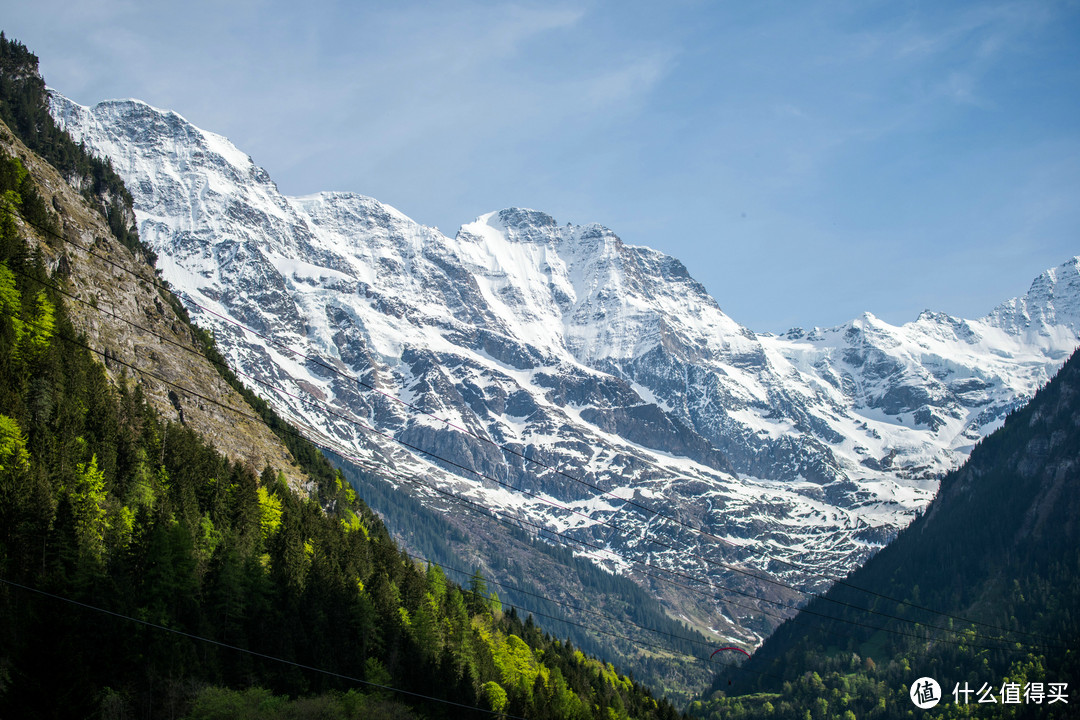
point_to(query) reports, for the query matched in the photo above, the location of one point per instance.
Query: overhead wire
(548, 532)
(357, 461)
(541, 528)
(813, 572)
(334, 448)
(165, 288)
(325, 408)
(253, 653)
(249, 415)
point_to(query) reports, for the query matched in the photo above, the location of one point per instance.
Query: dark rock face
(576, 388)
(526, 220)
(650, 426)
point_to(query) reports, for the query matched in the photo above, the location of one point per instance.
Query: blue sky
(806, 161)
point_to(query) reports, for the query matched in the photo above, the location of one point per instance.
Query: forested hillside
(605, 615)
(981, 592)
(143, 573)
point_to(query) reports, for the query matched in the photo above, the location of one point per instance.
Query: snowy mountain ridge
(606, 362)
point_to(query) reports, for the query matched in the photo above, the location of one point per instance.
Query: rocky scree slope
(133, 326)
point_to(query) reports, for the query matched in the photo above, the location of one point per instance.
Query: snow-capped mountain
(573, 382)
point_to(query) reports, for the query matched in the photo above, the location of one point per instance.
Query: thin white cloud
(446, 40)
(628, 83)
(835, 125)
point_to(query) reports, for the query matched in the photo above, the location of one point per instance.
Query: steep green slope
(143, 573)
(604, 615)
(982, 589)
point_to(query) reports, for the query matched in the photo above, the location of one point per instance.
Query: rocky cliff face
(134, 329)
(573, 382)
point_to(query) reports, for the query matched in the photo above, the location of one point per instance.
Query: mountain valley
(589, 392)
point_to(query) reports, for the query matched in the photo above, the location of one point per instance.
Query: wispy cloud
(840, 128)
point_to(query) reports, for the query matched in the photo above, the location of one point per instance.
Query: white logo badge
(925, 693)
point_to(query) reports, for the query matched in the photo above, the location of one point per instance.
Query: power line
(714, 595)
(357, 461)
(253, 653)
(325, 408)
(354, 460)
(798, 619)
(543, 530)
(537, 496)
(813, 572)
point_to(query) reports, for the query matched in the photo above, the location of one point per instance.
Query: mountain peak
(135, 121)
(518, 225)
(348, 204)
(129, 104)
(1052, 300)
(525, 218)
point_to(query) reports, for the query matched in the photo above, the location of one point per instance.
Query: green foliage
(41, 326)
(494, 696)
(10, 298)
(87, 498)
(440, 541)
(19, 194)
(259, 704)
(13, 456)
(11, 325)
(517, 667)
(270, 513)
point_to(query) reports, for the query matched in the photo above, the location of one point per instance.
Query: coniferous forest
(143, 574)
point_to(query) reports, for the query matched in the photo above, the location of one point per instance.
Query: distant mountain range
(590, 391)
